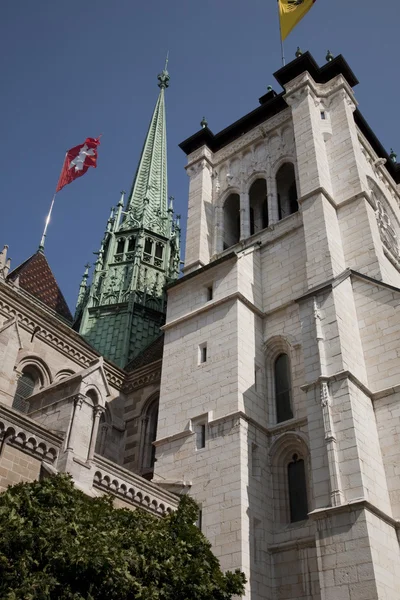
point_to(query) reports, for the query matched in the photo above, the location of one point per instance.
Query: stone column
(272, 194)
(200, 212)
(219, 230)
(72, 430)
(244, 215)
(97, 412)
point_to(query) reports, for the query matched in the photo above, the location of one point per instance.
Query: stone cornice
(213, 304)
(353, 505)
(52, 331)
(341, 375)
(270, 431)
(319, 90)
(146, 375)
(306, 542)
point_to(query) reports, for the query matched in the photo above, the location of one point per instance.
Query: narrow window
(159, 250)
(120, 246)
(200, 431)
(257, 540)
(297, 490)
(148, 246)
(209, 293)
(203, 353)
(158, 255)
(25, 387)
(199, 522)
(101, 435)
(323, 115)
(149, 434)
(131, 244)
(282, 389)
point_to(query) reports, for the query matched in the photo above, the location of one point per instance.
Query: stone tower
(282, 417)
(122, 310)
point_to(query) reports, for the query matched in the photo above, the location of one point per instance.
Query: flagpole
(283, 53)
(42, 241)
(280, 33)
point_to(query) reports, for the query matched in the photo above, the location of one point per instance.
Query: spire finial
(329, 56)
(204, 123)
(299, 52)
(393, 155)
(163, 77)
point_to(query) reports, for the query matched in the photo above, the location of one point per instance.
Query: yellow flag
(291, 12)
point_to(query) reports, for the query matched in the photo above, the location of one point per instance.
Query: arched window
(148, 250)
(292, 497)
(120, 246)
(231, 220)
(282, 388)
(158, 255)
(258, 206)
(287, 191)
(26, 385)
(149, 434)
(131, 244)
(297, 488)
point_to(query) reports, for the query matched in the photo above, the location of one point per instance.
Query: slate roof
(153, 352)
(36, 278)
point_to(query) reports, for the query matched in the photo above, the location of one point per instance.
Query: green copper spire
(122, 310)
(148, 201)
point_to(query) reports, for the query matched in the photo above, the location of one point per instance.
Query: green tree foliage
(57, 543)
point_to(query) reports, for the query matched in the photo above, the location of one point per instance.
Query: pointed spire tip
(163, 77)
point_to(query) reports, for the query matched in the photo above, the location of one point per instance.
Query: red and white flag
(77, 161)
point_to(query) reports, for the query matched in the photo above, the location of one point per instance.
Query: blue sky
(70, 70)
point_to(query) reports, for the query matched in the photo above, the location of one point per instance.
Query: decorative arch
(291, 475)
(36, 362)
(63, 374)
(283, 159)
(34, 375)
(388, 223)
(253, 177)
(224, 196)
(93, 393)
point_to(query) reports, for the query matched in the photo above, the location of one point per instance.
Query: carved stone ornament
(386, 230)
(256, 134)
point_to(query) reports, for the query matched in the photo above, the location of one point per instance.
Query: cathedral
(265, 380)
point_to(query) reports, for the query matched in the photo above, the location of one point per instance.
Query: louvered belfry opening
(25, 388)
